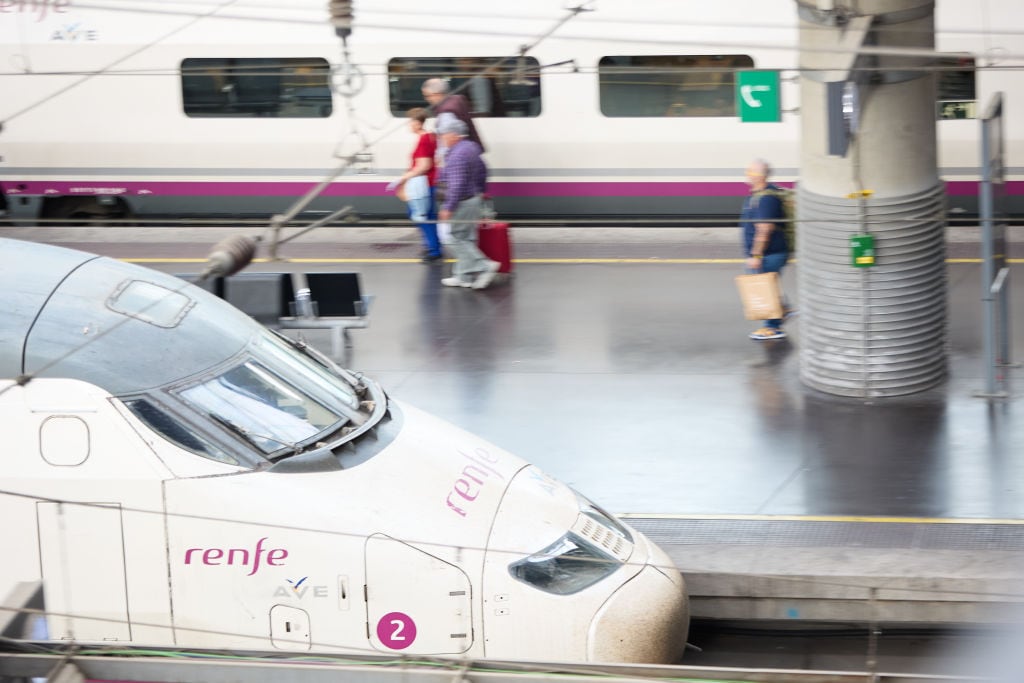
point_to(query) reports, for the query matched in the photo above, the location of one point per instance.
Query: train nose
(646, 620)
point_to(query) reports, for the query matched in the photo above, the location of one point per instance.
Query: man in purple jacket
(464, 178)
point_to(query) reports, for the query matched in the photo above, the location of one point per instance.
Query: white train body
(101, 119)
(176, 475)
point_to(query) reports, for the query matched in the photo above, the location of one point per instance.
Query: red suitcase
(494, 242)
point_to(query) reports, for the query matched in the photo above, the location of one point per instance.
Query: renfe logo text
(275, 557)
(472, 480)
(39, 7)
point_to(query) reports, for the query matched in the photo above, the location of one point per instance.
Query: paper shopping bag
(761, 295)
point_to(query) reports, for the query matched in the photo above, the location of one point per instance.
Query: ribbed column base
(881, 330)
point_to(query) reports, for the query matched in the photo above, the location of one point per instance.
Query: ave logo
(300, 589)
(74, 33)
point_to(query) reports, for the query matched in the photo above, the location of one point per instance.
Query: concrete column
(881, 330)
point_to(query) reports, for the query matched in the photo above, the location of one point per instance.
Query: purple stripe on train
(374, 189)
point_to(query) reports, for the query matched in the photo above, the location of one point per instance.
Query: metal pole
(1004, 319)
(995, 294)
(987, 260)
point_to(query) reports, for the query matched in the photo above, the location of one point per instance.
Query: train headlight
(594, 548)
(567, 566)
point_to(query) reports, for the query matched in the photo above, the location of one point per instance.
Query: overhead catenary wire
(982, 58)
(563, 68)
(617, 38)
(418, 14)
(552, 70)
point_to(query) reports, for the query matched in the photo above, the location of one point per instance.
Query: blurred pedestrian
(417, 185)
(444, 228)
(764, 239)
(479, 87)
(437, 92)
(464, 178)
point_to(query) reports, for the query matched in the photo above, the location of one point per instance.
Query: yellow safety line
(824, 518)
(549, 261)
(650, 259)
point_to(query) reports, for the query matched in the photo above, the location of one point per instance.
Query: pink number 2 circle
(396, 630)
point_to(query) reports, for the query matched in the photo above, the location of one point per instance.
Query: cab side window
(164, 424)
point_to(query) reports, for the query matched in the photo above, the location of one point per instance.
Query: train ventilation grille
(604, 538)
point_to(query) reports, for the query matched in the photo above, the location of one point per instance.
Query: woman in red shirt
(416, 186)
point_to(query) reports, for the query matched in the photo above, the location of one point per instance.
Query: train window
(265, 87)
(956, 85)
(669, 85)
(495, 86)
(175, 432)
(150, 303)
(261, 407)
(313, 379)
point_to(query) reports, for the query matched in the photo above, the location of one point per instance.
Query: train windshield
(263, 407)
(275, 398)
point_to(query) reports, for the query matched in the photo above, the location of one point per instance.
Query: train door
(97, 515)
(416, 603)
(81, 552)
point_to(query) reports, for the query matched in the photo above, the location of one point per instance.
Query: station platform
(619, 363)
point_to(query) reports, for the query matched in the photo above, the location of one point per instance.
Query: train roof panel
(28, 276)
(116, 325)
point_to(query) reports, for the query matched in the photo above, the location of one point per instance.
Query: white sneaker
(455, 282)
(486, 276)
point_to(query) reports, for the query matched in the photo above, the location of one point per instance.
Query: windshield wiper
(323, 359)
(241, 431)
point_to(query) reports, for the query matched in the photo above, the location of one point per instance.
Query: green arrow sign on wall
(757, 96)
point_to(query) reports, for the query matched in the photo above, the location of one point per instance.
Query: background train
(177, 475)
(141, 108)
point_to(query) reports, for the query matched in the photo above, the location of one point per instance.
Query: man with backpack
(765, 245)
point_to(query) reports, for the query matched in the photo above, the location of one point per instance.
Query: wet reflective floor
(637, 384)
(634, 381)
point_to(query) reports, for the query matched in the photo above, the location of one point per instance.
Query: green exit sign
(862, 251)
(757, 96)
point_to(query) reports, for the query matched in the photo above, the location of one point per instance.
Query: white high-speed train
(177, 475)
(120, 108)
